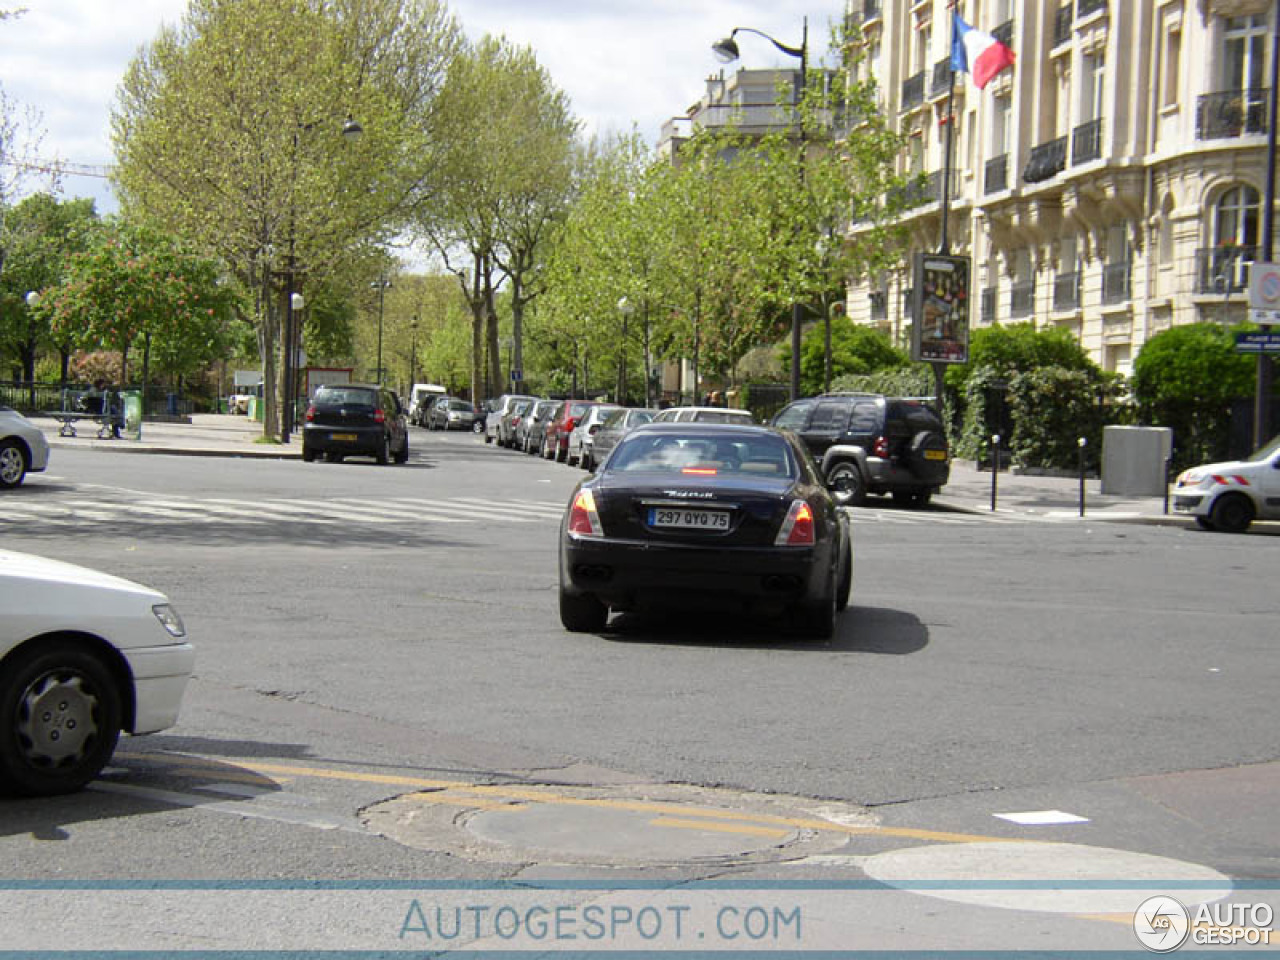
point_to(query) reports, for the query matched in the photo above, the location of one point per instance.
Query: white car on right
(23, 448)
(1230, 496)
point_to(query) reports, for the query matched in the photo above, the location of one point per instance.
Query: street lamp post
(726, 51)
(381, 286)
(351, 131)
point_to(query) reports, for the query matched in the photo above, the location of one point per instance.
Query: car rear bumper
(630, 573)
(355, 440)
(888, 475)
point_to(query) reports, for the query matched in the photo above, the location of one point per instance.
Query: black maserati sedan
(710, 515)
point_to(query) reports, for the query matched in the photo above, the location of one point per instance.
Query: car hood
(44, 573)
(1227, 466)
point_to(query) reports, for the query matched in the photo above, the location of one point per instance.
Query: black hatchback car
(355, 420)
(707, 515)
(869, 443)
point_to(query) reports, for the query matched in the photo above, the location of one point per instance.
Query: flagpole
(950, 121)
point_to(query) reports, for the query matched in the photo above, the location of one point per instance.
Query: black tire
(13, 464)
(60, 716)
(1204, 523)
(308, 455)
(402, 455)
(477, 427)
(334, 457)
(383, 453)
(547, 451)
(582, 613)
(586, 461)
(844, 582)
(817, 620)
(847, 485)
(487, 438)
(1232, 513)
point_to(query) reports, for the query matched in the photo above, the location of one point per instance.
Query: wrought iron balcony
(1116, 282)
(1066, 291)
(1086, 142)
(1224, 269)
(1022, 300)
(997, 174)
(1047, 161)
(917, 193)
(913, 91)
(941, 81)
(988, 309)
(1085, 7)
(1004, 33)
(1232, 113)
(1062, 23)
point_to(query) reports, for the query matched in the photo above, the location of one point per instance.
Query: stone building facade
(1110, 184)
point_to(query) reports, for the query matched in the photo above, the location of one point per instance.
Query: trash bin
(255, 409)
(132, 413)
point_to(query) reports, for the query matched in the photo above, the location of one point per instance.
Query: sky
(624, 65)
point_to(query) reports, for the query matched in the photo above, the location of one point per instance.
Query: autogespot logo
(1162, 924)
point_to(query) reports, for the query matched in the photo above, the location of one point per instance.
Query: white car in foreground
(1230, 496)
(83, 655)
(23, 448)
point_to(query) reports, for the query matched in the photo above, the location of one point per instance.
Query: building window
(1172, 65)
(1116, 272)
(1235, 218)
(1244, 53)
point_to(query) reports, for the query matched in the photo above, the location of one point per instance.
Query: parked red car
(555, 441)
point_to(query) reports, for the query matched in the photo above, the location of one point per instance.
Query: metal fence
(40, 397)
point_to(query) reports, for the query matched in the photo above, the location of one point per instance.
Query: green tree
(1186, 378)
(39, 235)
(229, 128)
(856, 350)
(135, 287)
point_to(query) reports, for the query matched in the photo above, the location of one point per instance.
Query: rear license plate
(935, 454)
(343, 437)
(674, 518)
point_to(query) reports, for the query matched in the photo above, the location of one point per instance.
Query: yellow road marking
(720, 827)
(543, 795)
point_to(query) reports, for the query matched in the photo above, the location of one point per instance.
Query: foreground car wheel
(308, 455)
(582, 614)
(818, 620)
(13, 464)
(1204, 523)
(1232, 513)
(845, 581)
(384, 453)
(846, 485)
(402, 456)
(60, 715)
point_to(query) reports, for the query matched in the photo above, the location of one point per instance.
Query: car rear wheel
(402, 455)
(384, 452)
(308, 455)
(817, 620)
(845, 579)
(13, 464)
(1232, 513)
(587, 461)
(60, 715)
(847, 485)
(582, 613)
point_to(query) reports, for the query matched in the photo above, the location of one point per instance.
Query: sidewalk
(969, 491)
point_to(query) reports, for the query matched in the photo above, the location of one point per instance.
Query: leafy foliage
(856, 350)
(1186, 378)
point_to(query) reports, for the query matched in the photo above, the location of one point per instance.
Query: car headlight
(169, 619)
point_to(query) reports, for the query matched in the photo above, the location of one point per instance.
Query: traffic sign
(1258, 343)
(1264, 287)
(517, 375)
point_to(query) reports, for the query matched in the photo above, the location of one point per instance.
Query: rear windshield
(765, 454)
(722, 416)
(346, 395)
(577, 409)
(459, 405)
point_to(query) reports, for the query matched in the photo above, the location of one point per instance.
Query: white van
(421, 397)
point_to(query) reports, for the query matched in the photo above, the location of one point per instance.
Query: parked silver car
(23, 448)
(583, 435)
(611, 431)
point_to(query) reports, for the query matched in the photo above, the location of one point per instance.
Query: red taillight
(311, 414)
(699, 471)
(880, 448)
(379, 416)
(583, 519)
(569, 425)
(798, 529)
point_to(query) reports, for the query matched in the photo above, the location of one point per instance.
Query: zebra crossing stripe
(516, 510)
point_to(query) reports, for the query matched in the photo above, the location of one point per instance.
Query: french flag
(977, 53)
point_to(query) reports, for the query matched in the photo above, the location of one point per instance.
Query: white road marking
(1041, 818)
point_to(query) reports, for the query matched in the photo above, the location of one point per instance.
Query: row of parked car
(581, 432)
(863, 443)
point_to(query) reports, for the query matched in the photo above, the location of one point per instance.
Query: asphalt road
(368, 632)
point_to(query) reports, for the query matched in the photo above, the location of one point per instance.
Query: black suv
(868, 443)
(355, 419)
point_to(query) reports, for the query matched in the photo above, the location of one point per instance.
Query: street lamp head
(726, 50)
(626, 307)
(351, 130)
(32, 298)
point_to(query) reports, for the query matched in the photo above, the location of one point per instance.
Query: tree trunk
(491, 322)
